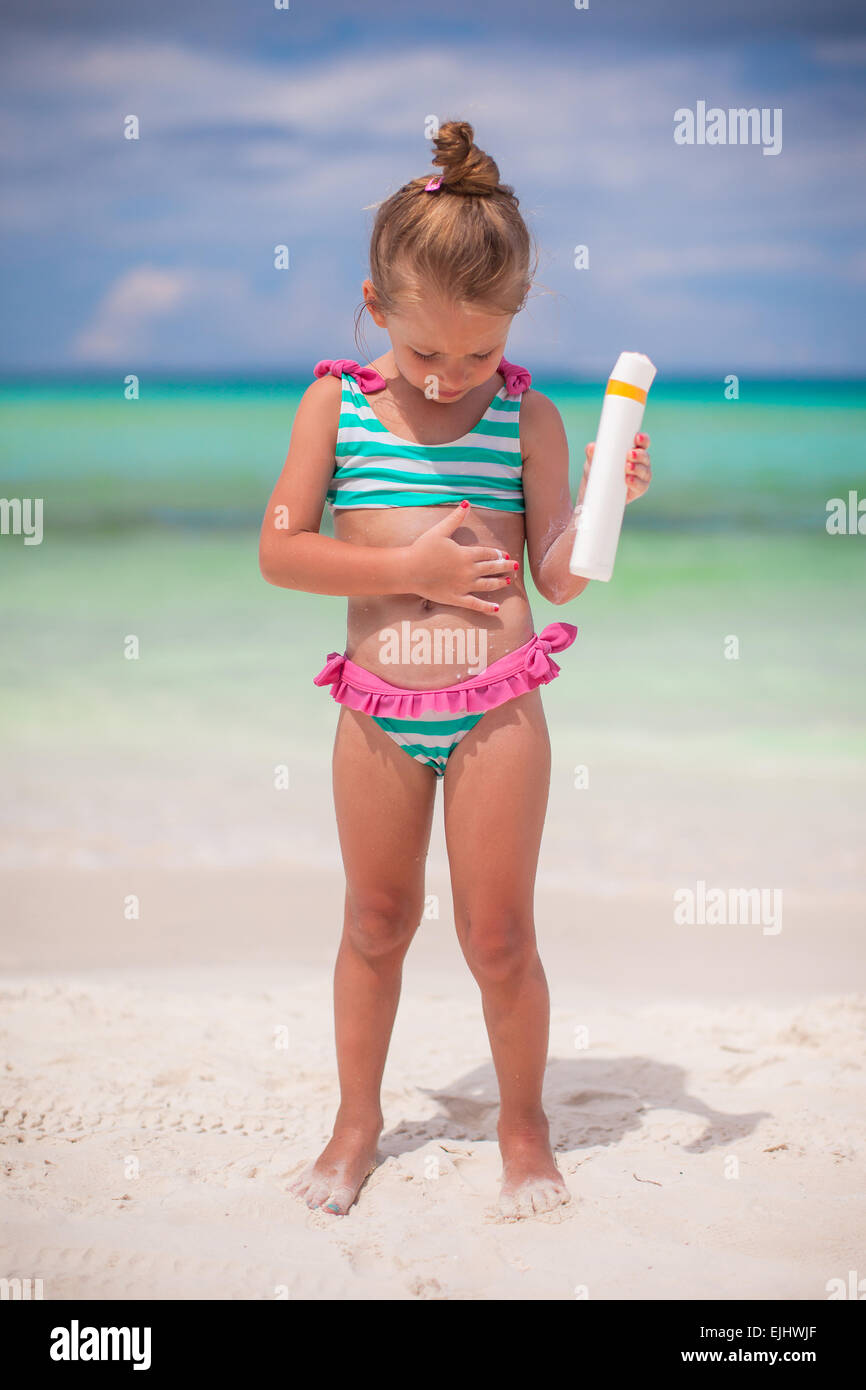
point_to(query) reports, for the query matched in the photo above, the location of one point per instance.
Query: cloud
(148, 313)
(725, 260)
(135, 304)
(240, 151)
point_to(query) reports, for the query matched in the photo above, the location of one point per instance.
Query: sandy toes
(532, 1198)
(338, 1174)
(531, 1182)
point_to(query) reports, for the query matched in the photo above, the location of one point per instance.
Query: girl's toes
(318, 1193)
(339, 1201)
(541, 1198)
(299, 1185)
(525, 1205)
(508, 1206)
(549, 1195)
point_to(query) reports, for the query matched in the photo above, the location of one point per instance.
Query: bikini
(375, 468)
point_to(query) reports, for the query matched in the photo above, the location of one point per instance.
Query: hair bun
(466, 168)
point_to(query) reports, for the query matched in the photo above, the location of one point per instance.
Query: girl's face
(442, 348)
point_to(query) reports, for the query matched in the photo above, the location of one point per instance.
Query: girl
(440, 464)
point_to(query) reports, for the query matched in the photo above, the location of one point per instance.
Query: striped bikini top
(375, 468)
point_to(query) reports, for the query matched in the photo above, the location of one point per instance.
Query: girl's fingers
(451, 520)
(503, 567)
(485, 552)
(478, 605)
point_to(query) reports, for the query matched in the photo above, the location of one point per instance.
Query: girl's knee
(384, 926)
(499, 946)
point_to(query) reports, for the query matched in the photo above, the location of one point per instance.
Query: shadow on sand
(590, 1103)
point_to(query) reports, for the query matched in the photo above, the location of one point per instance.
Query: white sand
(713, 1138)
(152, 1126)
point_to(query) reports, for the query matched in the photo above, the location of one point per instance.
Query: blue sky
(261, 127)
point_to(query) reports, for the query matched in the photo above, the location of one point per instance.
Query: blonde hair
(467, 242)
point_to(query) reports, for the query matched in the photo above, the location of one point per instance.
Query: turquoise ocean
(152, 509)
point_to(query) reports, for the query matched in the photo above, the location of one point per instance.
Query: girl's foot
(335, 1179)
(531, 1181)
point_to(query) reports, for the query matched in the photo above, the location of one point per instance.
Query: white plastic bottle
(600, 519)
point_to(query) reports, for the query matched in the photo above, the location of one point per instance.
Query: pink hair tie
(434, 185)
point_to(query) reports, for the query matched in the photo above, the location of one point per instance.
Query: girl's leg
(384, 804)
(496, 789)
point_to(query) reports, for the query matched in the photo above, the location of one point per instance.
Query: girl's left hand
(638, 470)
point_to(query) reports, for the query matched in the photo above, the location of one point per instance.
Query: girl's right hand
(441, 569)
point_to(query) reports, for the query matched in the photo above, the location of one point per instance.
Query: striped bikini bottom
(429, 724)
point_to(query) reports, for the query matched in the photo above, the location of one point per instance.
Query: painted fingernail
(464, 504)
(507, 556)
(643, 438)
(516, 566)
(508, 581)
(332, 1206)
(632, 453)
(496, 607)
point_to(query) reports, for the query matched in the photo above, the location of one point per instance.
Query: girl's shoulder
(320, 407)
(541, 424)
(536, 408)
(323, 393)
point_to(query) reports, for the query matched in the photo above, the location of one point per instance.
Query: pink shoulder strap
(517, 379)
(367, 377)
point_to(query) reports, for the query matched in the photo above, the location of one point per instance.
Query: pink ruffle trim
(512, 675)
(517, 379)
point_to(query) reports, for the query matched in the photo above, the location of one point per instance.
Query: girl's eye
(428, 356)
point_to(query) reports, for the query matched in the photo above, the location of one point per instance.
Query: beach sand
(154, 1114)
(166, 1075)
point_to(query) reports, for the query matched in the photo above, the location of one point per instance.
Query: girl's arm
(550, 519)
(292, 554)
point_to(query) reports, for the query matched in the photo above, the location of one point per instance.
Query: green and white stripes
(375, 468)
(430, 739)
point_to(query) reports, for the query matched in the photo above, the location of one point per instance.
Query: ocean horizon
(205, 449)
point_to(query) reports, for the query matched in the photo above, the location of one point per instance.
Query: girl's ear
(368, 290)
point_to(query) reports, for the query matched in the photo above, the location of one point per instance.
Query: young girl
(440, 464)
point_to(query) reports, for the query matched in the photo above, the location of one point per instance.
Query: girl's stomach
(413, 642)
